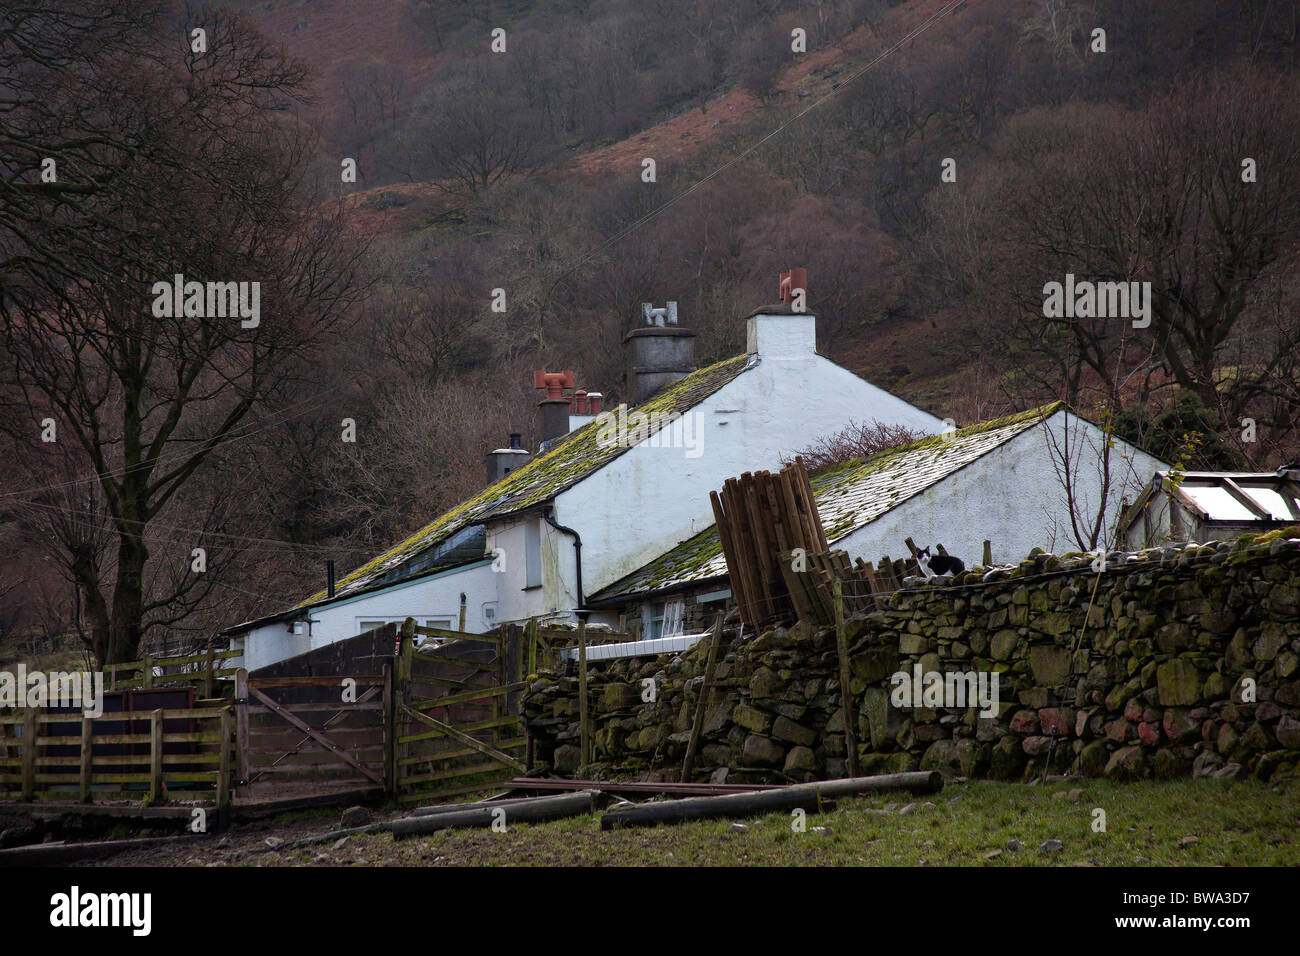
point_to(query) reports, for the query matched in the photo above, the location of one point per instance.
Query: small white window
(661, 619)
(369, 626)
(673, 617)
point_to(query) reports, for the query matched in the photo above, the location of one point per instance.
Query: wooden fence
(52, 755)
(435, 722)
(204, 670)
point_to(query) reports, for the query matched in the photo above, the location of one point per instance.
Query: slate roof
(849, 495)
(569, 461)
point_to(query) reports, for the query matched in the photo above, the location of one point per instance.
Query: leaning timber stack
(760, 516)
(812, 590)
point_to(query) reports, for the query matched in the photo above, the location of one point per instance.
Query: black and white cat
(939, 563)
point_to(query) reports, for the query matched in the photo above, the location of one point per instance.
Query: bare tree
(190, 167)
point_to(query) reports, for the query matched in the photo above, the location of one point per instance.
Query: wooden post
(208, 685)
(405, 652)
(112, 677)
(29, 754)
(224, 767)
(241, 723)
(532, 646)
(146, 674)
(846, 696)
(988, 553)
(697, 725)
(390, 734)
(87, 756)
(155, 756)
(461, 627)
(582, 695)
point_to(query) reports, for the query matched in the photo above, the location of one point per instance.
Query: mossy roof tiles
(849, 495)
(569, 461)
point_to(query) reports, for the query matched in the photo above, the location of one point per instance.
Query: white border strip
(660, 645)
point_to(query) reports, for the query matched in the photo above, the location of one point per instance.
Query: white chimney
(786, 330)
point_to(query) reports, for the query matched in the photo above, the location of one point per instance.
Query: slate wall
(1160, 684)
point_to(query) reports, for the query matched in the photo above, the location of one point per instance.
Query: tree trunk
(128, 599)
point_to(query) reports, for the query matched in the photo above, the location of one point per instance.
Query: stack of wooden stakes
(778, 558)
(759, 517)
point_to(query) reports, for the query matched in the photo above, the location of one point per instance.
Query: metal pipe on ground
(480, 804)
(617, 786)
(535, 810)
(811, 797)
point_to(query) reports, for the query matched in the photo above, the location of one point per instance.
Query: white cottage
(602, 500)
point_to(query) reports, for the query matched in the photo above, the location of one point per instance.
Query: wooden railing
(47, 755)
(201, 669)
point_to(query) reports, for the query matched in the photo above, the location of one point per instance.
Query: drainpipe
(549, 515)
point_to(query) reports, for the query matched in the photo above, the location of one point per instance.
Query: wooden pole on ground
(846, 695)
(988, 553)
(534, 810)
(812, 797)
(701, 702)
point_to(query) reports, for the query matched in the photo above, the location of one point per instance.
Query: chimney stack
(555, 407)
(787, 330)
(657, 353)
(502, 461)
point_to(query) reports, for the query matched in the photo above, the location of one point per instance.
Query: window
(661, 619)
(369, 626)
(532, 555)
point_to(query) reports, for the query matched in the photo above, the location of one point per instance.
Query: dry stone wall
(1189, 665)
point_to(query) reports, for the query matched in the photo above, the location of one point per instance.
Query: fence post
(697, 723)
(988, 553)
(112, 677)
(87, 755)
(208, 686)
(29, 753)
(582, 694)
(241, 722)
(146, 675)
(846, 696)
(532, 646)
(390, 733)
(155, 756)
(223, 768)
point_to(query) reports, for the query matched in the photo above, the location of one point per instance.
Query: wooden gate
(312, 734)
(457, 727)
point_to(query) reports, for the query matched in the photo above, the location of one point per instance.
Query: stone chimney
(785, 330)
(657, 352)
(502, 461)
(555, 407)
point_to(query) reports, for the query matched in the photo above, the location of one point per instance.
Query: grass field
(1190, 823)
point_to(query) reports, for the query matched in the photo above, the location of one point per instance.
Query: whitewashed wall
(436, 596)
(1011, 496)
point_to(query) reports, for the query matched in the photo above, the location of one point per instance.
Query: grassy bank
(1189, 823)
